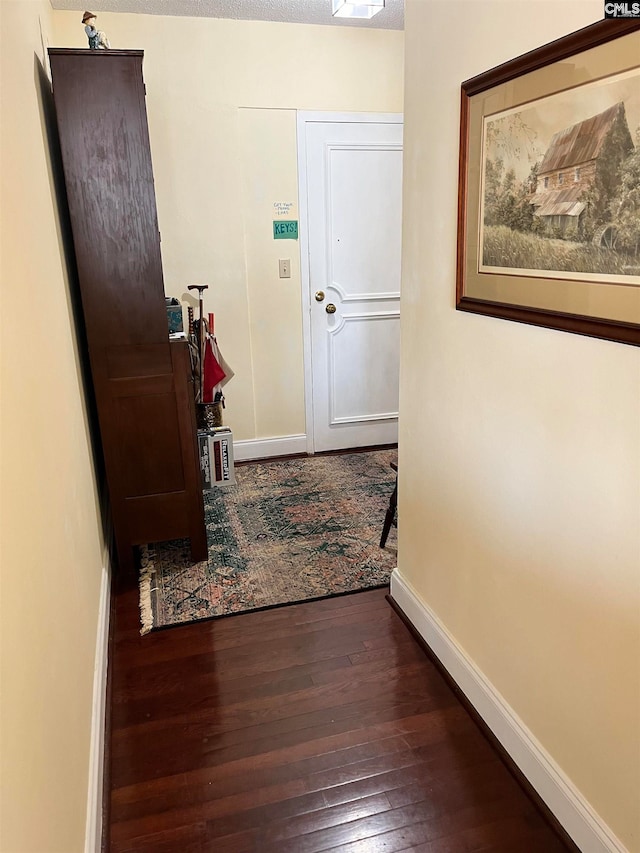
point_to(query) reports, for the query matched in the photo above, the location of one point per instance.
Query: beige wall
(52, 555)
(274, 303)
(520, 448)
(221, 98)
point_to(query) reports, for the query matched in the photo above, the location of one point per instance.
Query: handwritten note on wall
(283, 208)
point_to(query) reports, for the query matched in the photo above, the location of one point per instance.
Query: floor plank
(313, 727)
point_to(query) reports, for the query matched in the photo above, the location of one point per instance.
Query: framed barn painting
(549, 193)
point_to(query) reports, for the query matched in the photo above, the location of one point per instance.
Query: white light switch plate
(285, 267)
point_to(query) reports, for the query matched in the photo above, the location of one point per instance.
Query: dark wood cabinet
(141, 380)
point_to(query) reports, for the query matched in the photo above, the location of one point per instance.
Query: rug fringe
(147, 569)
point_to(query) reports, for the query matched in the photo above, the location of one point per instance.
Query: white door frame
(303, 118)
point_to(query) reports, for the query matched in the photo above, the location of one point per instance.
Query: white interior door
(353, 227)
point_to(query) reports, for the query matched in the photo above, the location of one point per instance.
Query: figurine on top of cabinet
(97, 39)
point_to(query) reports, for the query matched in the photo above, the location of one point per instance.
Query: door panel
(364, 186)
(367, 389)
(354, 207)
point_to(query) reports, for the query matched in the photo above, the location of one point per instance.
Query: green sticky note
(285, 229)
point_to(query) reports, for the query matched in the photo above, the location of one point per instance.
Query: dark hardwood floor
(319, 726)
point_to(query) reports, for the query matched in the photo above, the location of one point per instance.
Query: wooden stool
(390, 517)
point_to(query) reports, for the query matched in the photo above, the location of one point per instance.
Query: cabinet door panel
(109, 178)
(147, 434)
(127, 362)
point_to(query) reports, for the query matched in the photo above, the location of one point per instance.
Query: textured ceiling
(291, 11)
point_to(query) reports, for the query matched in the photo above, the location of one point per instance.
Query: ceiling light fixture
(356, 8)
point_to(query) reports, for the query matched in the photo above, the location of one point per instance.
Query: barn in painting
(580, 158)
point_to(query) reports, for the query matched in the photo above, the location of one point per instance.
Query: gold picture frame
(549, 152)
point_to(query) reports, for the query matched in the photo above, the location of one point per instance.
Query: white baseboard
(581, 822)
(262, 448)
(93, 832)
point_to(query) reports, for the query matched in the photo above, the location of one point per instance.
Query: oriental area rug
(290, 530)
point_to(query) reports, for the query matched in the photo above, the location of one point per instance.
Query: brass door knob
(331, 308)
(319, 295)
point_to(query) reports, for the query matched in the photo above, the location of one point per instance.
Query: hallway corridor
(312, 727)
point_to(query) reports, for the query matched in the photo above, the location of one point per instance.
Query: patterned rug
(289, 531)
